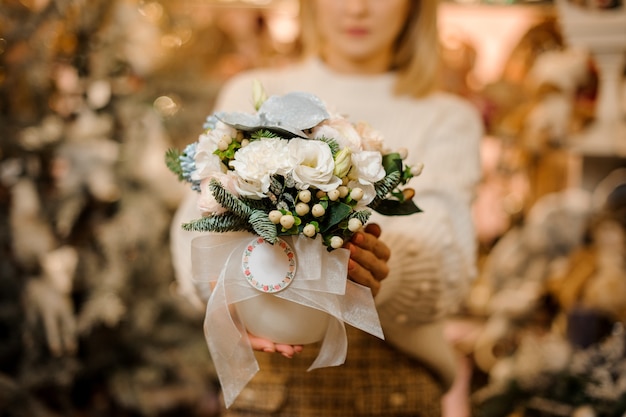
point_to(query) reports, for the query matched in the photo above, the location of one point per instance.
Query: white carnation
(256, 163)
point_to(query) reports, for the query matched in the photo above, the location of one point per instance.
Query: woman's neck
(345, 65)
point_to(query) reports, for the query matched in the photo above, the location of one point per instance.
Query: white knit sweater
(433, 252)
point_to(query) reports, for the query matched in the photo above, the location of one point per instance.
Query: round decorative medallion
(269, 268)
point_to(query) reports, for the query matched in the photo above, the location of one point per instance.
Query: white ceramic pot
(282, 321)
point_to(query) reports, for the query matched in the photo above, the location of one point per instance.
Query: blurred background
(92, 94)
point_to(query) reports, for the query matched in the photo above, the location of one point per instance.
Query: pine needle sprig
(172, 160)
(332, 144)
(262, 225)
(362, 215)
(229, 201)
(384, 187)
(226, 222)
(263, 134)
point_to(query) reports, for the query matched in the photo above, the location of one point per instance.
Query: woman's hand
(368, 257)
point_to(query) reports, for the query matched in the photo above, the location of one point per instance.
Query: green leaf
(335, 213)
(229, 153)
(396, 208)
(392, 162)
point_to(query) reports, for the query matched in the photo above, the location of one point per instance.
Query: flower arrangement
(291, 168)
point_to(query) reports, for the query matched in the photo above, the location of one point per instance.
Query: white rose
(206, 201)
(256, 163)
(341, 130)
(313, 165)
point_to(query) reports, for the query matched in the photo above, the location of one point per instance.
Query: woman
(377, 61)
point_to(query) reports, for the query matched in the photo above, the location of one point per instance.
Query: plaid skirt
(375, 380)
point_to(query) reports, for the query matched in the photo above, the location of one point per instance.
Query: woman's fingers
(264, 345)
(368, 258)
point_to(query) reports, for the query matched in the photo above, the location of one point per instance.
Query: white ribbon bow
(320, 282)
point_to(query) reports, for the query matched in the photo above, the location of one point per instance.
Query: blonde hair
(416, 53)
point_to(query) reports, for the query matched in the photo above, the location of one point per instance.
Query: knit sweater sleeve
(433, 252)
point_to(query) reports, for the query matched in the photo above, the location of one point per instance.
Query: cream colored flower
(342, 131)
(312, 164)
(207, 163)
(371, 139)
(206, 201)
(257, 162)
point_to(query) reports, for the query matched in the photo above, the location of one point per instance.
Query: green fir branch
(385, 186)
(229, 201)
(226, 222)
(332, 144)
(263, 134)
(362, 215)
(263, 226)
(172, 160)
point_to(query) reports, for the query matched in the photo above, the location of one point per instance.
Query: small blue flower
(188, 165)
(210, 122)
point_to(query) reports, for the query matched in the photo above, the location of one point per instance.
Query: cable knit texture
(433, 260)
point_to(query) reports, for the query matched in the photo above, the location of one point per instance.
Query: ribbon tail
(334, 348)
(229, 346)
(361, 312)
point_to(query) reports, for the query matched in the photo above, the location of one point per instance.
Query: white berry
(309, 230)
(275, 216)
(320, 194)
(356, 194)
(304, 196)
(318, 210)
(354, 224)
(302, 209)
(222, 145)
(333, 195)
(287, 221)
(336, 242)
(417, 169)
(343, 191)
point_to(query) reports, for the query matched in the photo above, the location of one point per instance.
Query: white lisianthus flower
(341, 130)
(368, 165)
(256, 163)
(366, 170)
(312, 165)
(371, 139)
(369, 192)
(207, 163)
(206, 201)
